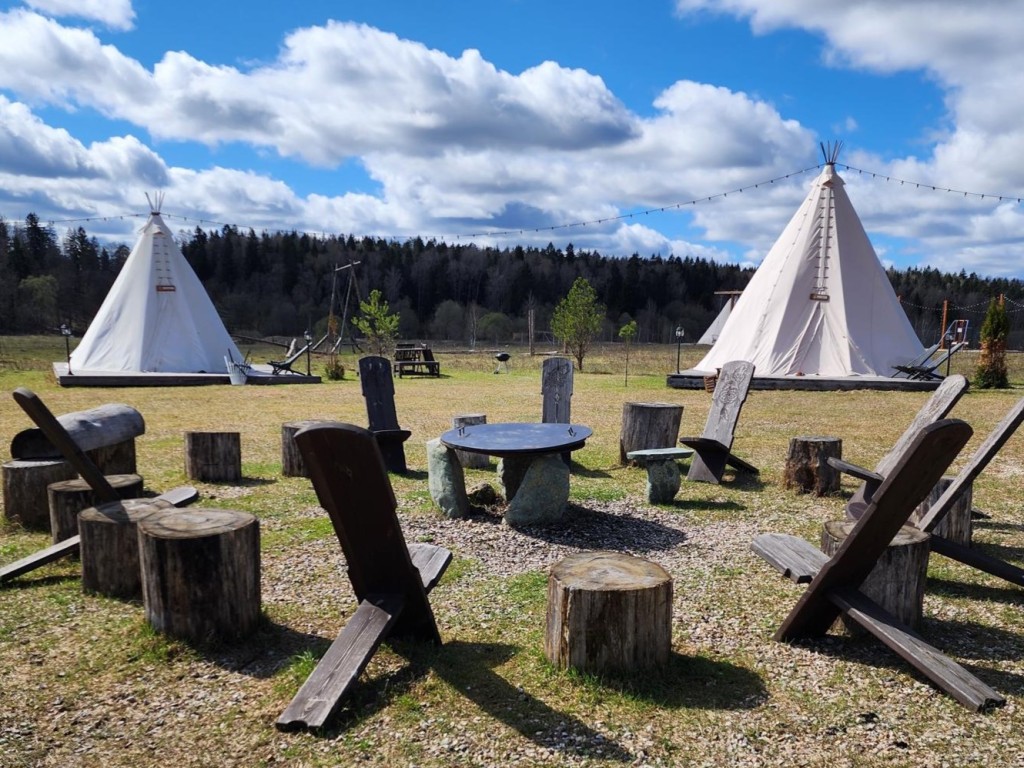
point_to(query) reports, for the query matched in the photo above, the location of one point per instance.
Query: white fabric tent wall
(157, 317)
(715, 329)
(820, 303)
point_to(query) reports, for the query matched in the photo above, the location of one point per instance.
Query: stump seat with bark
(648, 425)
(110, 546)
(663, 477)
(24, 489)
(608, 612)
(291, 458)
(213, 457)
(807, 468)
(69, 497)
(466, 459)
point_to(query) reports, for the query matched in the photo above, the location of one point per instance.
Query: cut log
(69, 497)
(608, 612)
(807, 467)
(897, 581)
(99, 427)
(648, 425)
(956, 524)
(291, 460)
(466, 459)
(25, 482)
(116, 458)
(213, 457)
(110, 546)
(201, 573)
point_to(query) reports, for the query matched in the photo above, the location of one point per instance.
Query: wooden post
(291, 460)
(110, 546)
(69, 497)
(608, 612)
(213, 456)
(807, 467)
(466, 459)
(649, 425)
(25, 482)
(956, 525)
(201, 572)
(897, 581)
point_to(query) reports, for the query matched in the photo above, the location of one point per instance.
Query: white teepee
(157, 316)
(715, 329)
(820, 303)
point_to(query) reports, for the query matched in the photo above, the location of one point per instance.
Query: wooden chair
(556, 391)
(713, 449)
(835, 584)
(936, 407)
(379, 391)
(390, 580)
(285, 366)
(905, 368)
(929, 369)
(69, 448)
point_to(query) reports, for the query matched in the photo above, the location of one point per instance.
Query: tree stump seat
(292, 464)
(213, 457)
(648, 425)
(663, 477)
(69, 497)
(608, 612)
(25, 484)
(467, 459)
(807, 466)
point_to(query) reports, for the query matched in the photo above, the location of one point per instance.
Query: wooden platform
(260, 375)
(693, 379)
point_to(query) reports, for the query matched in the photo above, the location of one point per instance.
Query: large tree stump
(807, 467)
(648, 425)
(608, 612)
(201, 573)
(291, 460)
(115, 459)
(466, 459)
(213, 456)
(956, 525)
(25, 482)
(69, 497)
(109, 545)
(897, 581)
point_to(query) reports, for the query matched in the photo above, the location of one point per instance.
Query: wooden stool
(898, 578)
(201, 572)
(956, 525)
(115, 459)
(291, 460)
(663, 478)
(213, 456)
(466, 459)
(648, 425)
(110, 545)
(69, 497)
(25, 483)
(807, 467)
(608, 612)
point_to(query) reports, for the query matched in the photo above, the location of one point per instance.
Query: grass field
(85, 682)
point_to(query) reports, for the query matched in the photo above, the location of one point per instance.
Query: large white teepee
(820, 303)
(157, 315)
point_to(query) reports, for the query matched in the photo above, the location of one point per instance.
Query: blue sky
(501, 122)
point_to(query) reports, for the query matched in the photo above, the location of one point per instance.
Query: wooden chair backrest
(556, 389)
(731, 391)
(379, 391)
(428, 355)
(348, 474)
(914, 474)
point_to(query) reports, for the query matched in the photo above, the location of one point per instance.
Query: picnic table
(415, 360)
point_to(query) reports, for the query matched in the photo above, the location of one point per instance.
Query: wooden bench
(835, 583)
(390, 579)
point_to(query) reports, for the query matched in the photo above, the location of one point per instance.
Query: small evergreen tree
(376, 323)
(991, 373)
(577, 319)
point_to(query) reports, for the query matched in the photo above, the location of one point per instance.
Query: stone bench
(663, 478)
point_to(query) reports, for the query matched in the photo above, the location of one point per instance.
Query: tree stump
(608, 612)
(25, 482)
(807, 467)
(213, 456)
(292, 464)
(115, 459)
(466, 459)
(201, 573)
(648, 425)
(110, 545)
(69, 497)
(897, 581)
(956, 525)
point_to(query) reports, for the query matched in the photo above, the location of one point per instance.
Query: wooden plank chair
(835, 586)
(930, 368)
(556, 392)
(390, 580)
(905, 369)
(285, 365)
(379, 391)
(936, 407)
(713, 449)
(73, 453)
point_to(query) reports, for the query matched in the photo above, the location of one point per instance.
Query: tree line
(283, 283)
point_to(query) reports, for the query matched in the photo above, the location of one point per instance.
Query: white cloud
(116, 14)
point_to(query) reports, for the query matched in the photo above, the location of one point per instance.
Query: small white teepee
(157, 317)
(715, 329)
(820, 303)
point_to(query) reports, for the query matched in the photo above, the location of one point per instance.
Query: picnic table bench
(415, 360)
